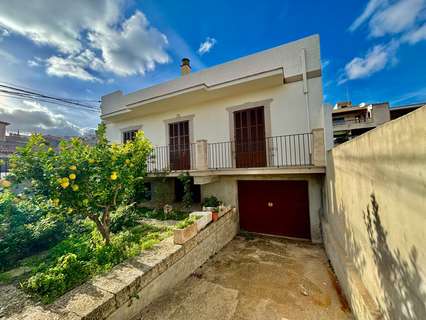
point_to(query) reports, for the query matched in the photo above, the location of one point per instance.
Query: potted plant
(211, 204)
(185, 230)
(203, 218)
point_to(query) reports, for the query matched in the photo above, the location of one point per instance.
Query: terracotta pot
(215, 216)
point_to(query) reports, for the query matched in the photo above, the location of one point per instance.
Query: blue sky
(372, 51)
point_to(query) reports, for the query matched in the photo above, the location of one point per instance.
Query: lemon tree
(83, 180)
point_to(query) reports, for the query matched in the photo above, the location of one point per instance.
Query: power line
(47, 101)
(40, 92)
(13, 91)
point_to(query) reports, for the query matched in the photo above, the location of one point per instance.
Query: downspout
(305, 87)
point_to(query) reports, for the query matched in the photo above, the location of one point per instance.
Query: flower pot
(203, 219)
(180, 236)
(215, 216)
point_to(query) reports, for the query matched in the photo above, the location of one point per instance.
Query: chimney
(185, 68)
(3, 130)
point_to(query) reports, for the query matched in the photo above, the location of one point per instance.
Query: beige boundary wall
(129, 287)
(374, 226)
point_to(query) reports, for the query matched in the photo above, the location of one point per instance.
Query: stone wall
(129, 287)
(375, 220)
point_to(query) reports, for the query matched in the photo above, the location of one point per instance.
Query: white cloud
(57, 23)
(120, 46)
(134, 48)
(396, 18)
(391, 17)
(73, 66)
(375, 60)
(36, 62)
(3, 33)
(371, 7)
(416, 35)
(29, 116)
(207, 45)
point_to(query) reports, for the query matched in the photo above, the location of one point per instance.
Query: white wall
(211, 119)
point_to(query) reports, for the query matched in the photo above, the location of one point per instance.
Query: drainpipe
(305, 87)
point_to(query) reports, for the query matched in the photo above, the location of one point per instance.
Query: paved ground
(261, 278)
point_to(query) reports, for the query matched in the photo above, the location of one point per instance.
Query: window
(129, 135)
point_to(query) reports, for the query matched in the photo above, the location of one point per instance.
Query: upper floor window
(129, 135)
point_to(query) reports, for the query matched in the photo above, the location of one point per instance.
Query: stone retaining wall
(129, 287)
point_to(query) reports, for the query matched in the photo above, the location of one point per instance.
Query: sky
(371, 51)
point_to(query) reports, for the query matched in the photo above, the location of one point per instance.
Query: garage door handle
(270, 204)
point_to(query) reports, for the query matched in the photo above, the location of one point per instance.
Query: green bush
(27, 227)
(211, 201)
(79, 257)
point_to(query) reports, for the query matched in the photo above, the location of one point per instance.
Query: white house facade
(252, 132)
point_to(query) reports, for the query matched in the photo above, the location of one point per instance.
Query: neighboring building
(9, 142)
(251, 132)
(350, 121)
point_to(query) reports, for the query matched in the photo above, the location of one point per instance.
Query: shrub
(211, 201)
(186, 180)
(91, 181)
(77, 258)
(27, 227)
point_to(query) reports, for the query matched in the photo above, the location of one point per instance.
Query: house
(251, 132)
(10, 141)
(350, 121)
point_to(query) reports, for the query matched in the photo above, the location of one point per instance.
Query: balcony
(349, 124)
(288, 152)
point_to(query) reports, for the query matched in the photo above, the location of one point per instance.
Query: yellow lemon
(64, 179)
(72, 176)
(73, 167)
(75, 187)
(70, 210)
(50, 150)
(114, 176)
(65, 185)
(6, 183)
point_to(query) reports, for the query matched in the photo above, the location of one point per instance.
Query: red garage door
(275, 207)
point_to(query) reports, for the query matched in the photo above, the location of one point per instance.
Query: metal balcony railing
(172, 158)
(278, 151)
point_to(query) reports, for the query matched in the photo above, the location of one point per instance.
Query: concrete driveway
(258, 278)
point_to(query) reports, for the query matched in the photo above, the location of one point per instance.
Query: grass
(83, 254)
